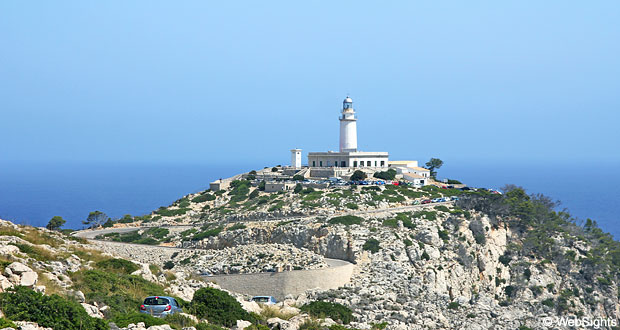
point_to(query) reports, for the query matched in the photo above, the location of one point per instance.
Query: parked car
(437, 200)
(416, 202)
(265, 300)
(160, 306)
(426, 201)
(454, 198)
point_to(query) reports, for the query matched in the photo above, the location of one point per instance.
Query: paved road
(90, 234)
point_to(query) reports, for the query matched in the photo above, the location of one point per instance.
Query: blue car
(265, 300)
(160, 306)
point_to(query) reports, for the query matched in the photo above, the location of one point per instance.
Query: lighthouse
(348, 156)
(348, 127)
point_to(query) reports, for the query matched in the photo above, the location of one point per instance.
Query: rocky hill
(486, 261)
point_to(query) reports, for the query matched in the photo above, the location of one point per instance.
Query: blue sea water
(32, 193)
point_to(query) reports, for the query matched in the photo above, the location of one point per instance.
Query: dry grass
(87, 254)
(170, 276)
(51, 287)
(272, 311)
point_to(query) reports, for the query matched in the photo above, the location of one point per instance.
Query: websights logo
(584, 322)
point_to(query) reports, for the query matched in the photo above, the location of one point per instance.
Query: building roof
(413, 176)
(401, 162)
(421, 169)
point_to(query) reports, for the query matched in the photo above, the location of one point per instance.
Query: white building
(411, 171)
(296, 158)
(348, 156)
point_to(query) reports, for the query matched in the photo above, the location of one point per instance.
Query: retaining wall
(292, 282)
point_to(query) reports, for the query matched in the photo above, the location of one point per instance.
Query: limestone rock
(242, 324)
(17, 268)
(92, 311)
(28, 279)
(8, 249)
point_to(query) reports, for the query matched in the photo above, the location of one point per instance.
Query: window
(343, 163)
(314, 163)
(382, 163)
(156, 301)
(375, 163)
(355, 163)
(368, 163)
(328, 163)
(320, 163)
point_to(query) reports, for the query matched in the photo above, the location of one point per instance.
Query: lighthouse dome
(348, 100)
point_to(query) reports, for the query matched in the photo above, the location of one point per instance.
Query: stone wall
(292, 282)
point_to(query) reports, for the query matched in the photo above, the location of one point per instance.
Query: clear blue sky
(207, 82)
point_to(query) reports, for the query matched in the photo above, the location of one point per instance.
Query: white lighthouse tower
(348, 127)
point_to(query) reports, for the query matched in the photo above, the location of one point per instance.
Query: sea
(33, 192)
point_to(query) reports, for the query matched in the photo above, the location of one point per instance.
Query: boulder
(160, 327)
(17, 268)
(106, 311)
(250, 306)
(28, 279)
(242, 324)
(5, 283)
(77, 295)
(8, 249)
(92, 311)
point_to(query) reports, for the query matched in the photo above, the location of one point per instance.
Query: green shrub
(204, 197)
(123, 320)
(346, 220)
(207, 233)
(311, 325)
(509, 290)
(358, 175)
(407, 242)
(237, 226)
(207, 326)
(171, 213)
(127, 218)
(53, 311)
(386, 175)
(157, 232)
(123, 293)
(454, 305)
(442, 208)
(351, 206)
(429, 215)
(504, 259)
(178, 321)
(4, 323)
(218, 307)
(254, 194)
(298, 177)
(168, 265)
(372, 245)
(391, 223)
(120, 266)
(443, 234)
(425, 256)
(548, 302)
(323, 309)
(604, 280)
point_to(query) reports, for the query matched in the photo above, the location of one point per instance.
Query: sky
(232, 81)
